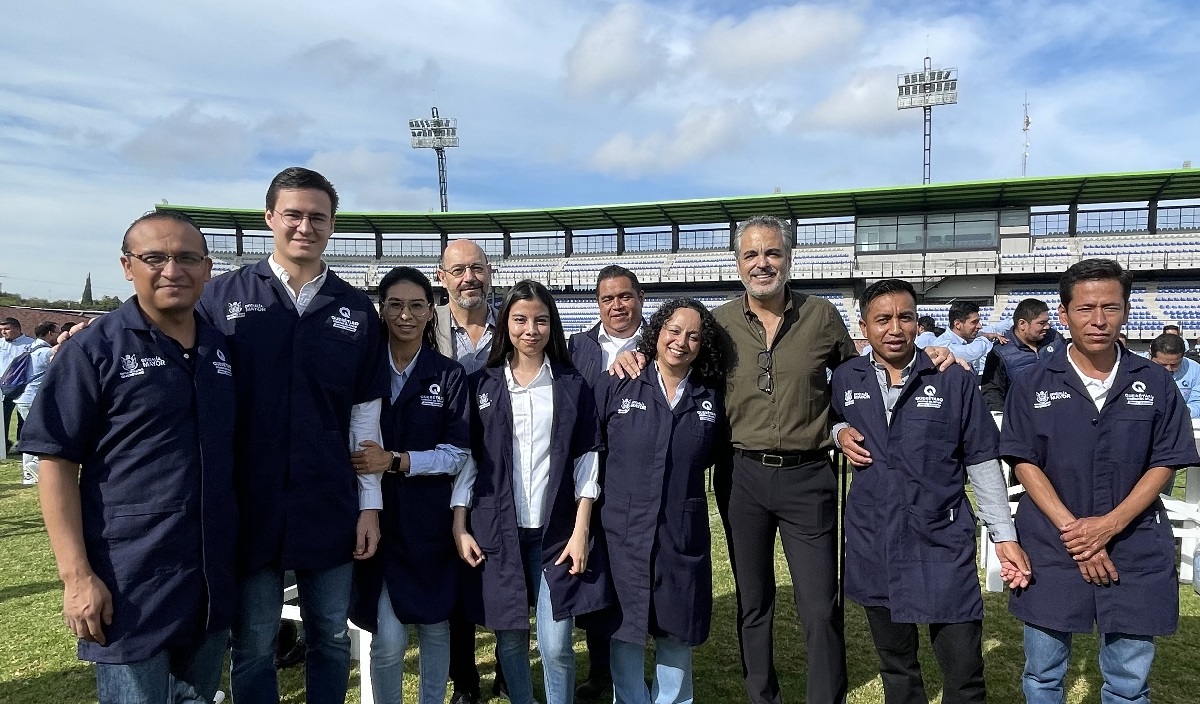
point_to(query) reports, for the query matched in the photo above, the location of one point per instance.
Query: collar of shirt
(672, 401)
(400, 377)
(752, 317)
(491, 321)
(544, 377)
(307, 291)
(881, 372)
(614, 346)
(1097, 388)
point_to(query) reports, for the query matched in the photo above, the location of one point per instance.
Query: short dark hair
(1169, 328)
(176, 215)
(1167, 343)
(1093, 270)
(709, 366)
(927, 323)
(43, 328)
(11, 322)
(502, 347)
(961, 310)
(1029, 309)
(414, 276)
(296, 178)
(884, 287)
(615, 271)
(66, 326)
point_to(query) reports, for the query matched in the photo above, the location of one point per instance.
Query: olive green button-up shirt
(810, 342)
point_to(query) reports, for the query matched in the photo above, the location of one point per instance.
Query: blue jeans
(1124, 662)
(324, 606)
(553, 638)
(672, 672)
(175, 675)
(387, 657)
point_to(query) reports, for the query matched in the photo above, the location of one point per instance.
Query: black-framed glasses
(766, 380)
(458, 271)
(319, 222)
(158, 260)
(394, 308)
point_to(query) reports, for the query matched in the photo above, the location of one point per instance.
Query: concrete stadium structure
(993, 242)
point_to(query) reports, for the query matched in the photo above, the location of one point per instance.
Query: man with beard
(464, 333)
(1033, 339)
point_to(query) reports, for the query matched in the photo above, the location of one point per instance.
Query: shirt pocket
(130, 521)
(937, 536)
(694, 538)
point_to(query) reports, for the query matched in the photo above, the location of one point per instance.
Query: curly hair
(709, 365)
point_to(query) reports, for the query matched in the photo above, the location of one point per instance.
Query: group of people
(23, 363)
(461, 465)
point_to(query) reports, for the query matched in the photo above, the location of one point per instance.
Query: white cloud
(372, 180)
(701, 132)
(189, 139)
(777, 39)
(615, 56)
(865, 104)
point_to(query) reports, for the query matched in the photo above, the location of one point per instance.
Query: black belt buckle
(771, 460)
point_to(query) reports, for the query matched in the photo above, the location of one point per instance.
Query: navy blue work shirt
(417, 557)
(496, 594)
(655, 513)
(152, 432)
(910, 530)
(1093, 459)
(299, 377)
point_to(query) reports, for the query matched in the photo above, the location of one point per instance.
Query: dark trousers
(800, 503)
(9, 407)
(598, 650)
(463, 673)
(959, 651)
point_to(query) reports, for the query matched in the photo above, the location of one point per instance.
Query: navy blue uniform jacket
(655, 513)
(417, 557)
(152, 432)
(495, 594)
(910, 530)
(586, 353)
(298, 378)
(1093, 459)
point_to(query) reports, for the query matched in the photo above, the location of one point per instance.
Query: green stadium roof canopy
(1016, 192)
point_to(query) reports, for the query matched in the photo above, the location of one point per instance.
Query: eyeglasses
(158, 260)
(318, 221)
(458, 271)
(394, 308)
(766, 380)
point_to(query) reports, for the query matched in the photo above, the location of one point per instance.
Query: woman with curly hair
(663, 428)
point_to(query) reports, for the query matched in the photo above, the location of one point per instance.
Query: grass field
(38, 665)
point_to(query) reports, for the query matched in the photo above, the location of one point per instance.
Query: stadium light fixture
(436, 133)
(925, 89)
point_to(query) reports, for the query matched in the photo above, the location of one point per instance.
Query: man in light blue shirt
(963, 338)
(39, 360)
(1167, 351)
(925, 332)
(12, 345)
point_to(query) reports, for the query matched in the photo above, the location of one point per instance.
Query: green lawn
(38, 665)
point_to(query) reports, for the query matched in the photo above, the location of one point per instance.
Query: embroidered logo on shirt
(153, 362)
(852, 396)
(707, 414)
(1042, 399)
(433, 399)
(930, 399)
(237, 309)
(485, 401)
(344, 322)
(1139, 397)
(130, 367)
(221, 365)
(626, 404)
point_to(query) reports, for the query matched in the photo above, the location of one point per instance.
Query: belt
(783, 459)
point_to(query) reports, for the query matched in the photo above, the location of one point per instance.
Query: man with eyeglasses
(311, 378)
(132, 424)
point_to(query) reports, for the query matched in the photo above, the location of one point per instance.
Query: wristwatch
(395, 468)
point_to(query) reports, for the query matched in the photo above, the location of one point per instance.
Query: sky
(108, 108)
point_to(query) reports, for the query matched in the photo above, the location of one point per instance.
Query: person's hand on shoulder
(628, 364)
(68, 334)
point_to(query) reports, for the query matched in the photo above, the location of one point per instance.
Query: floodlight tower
(924, 89)
(436, 133)
(1025, 139)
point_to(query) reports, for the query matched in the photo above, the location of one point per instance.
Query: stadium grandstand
(991, 242)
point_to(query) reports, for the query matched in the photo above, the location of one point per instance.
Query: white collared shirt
(443, 458)
(672, 399)
(1097, 388)
(364, 417)
(614, 346)
(533, 423)
(307, 292)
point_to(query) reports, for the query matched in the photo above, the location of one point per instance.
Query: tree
(86, 299)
